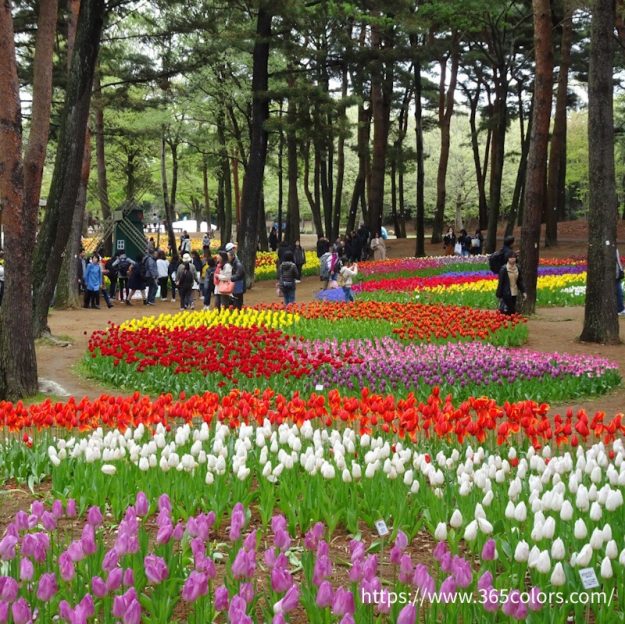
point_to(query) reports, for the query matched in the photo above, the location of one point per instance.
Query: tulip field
(391, 460)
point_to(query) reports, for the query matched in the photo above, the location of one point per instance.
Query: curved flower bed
(220, 357)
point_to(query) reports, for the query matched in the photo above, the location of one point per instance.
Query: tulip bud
(580, 530)
(470, 532)
(456, 519)
(440, 534)
(543, 565)
(606, 568)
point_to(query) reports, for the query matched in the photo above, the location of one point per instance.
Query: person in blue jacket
(93, 282)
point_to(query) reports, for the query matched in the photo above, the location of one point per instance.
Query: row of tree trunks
(537, 158)
(56, 227)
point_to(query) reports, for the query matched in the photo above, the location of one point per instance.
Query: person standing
(206, 243)
(151, 276)
(135, 280)
(186, 276)
(122, 265)
(299, 257)
(378, 246)
(173, 269)
(1, 276)
(449, 241)
(222, 280)
(477, 243)
(620, 307)
(287, 278)
(209, 276)
(346, 278)
(510, 285)
(238, 276)
(110, 270)
(81, 267)
(93, 283)
(323, 246)
(163, 273)
(273, 238)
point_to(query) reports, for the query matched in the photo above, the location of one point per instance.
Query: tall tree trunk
(363, 134)
(340, 157)
(314, 206)
(381, 98)
(253, 181)
(169, 212)
(237, 190)
(558, 138)
(67, 292)
(475, 146)
(293, 216)
(518, 195)
(281, 174)
(600, 318)
(263, 239)
(173, 148)
(18, 363)
(225, 209)
(207, 205)
(420, 151)
(103, 193)
(497, 155)
(445, 112)
(537, 158)
(56, 226)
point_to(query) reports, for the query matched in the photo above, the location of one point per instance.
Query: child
(346, 276)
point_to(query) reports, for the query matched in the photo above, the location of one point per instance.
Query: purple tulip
(164, 534)
(322, 569)
(534, 604)
(87, 540)
(7, 547)
(278, 523)
(282, 539)
(313, 535)
(66, 566)
(48, 520)
(343, 602)
(461, 571)
(405, 569)
(178, 532)
(8, 588)
(57, 509)
(221, 598)
(20, 610)
(289, 601)
(278, 618)
(250, 541)
(129, 577)
(114, 579)
(281, 579)
(26, 569)
(164, 503)
(447, 590)
(511, 605)
(98, 587)
(485, 581)
(325, 595)
(489, 552)
(408, 615)
(237, 522)
(121, 604)
(4, 612)
(47, 587)
(195, 586)
(132, 614)
(356, 572)
(348, 618)
(244, 564)
(439, 550)
(491, 601)
(70, 509)
(246, 591)
(142, 505)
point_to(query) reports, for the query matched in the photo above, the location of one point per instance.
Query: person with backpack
(498, 259)
(110, 270)
(172, 270)
(122, 265)
(209, 276)
(135, 280)
(186, 276)
(477, 242)
(287, 278)
(299, 257)
(510, 285)
(334, 266)
(185, 244)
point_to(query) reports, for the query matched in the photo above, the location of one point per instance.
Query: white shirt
(162, 266)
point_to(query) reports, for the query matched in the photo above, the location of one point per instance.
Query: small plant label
(319, 388)
(589, 578)
(381, 528)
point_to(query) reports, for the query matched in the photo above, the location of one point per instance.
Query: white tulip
(549, 528)
(470, 532)
(557, 550)
(520, 512)
(595, 512)
(566, 513)
(584, 556)
(558, 578)
(485, 526)
(144, 464)
(621, 558)
(580, 530)
(346, 476)
(509, 511)
(606, 568)
(533, 556)
(611, 549)
(356, 471)
(440, 534)
(107, 469)
(543, 564)
(596, 539)
(456, 519)
(414, 488)
(408, 477)
(210, 478)
(488, 499)
(521, 552)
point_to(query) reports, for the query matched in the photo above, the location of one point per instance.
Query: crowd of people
(218, 280)
(464, 244)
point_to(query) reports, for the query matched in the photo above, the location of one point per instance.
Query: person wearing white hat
(186, 276)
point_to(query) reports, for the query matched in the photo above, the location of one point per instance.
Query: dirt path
(552, 329)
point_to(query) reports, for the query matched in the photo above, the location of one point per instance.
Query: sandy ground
(551, 329)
